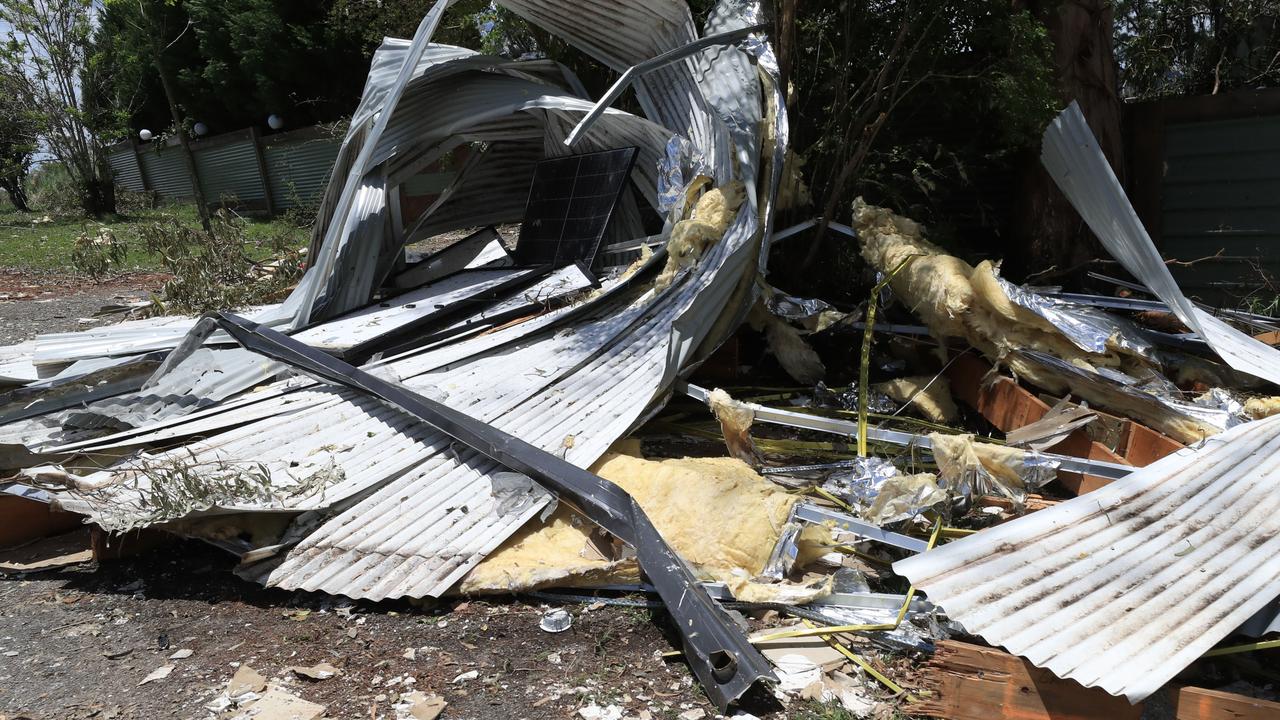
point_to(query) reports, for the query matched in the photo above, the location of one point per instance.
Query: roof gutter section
(719, 653)
(1072, 156)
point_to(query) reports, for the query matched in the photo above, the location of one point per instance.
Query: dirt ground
(76, 643)
(35, 303)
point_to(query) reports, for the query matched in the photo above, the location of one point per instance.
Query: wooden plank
(1078, 444)
(1201, 704)
(971, 682)
(23, 520)
(1141, 446)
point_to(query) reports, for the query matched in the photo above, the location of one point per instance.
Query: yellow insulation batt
(902, 495)
(926, 393)
(990, 469)
(1262, 407)
(721, 516)
(957, 300)
(797, 358)
(704, 227)
(735, 420)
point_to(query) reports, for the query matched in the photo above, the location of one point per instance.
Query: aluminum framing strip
(1100, 468)
(818, 515)
(666, 58)
(1262, 322)
(393, 342)
(817, 467)
(719, 653)
(805, 225)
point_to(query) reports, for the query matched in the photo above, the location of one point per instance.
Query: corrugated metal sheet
(299, 171)
(229, 172)
(166, 171)
(125, 168)
(1219, 194)
(592, 402)
(368, 323)
(126, 338)
(1123, 587)
(669, 96)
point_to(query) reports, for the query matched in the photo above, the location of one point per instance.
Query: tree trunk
(202, 206)
(17, 193)
(98, 196)
(1047, 231)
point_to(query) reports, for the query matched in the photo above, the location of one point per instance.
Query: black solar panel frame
(559, 227)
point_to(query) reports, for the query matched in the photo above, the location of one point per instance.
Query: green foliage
(176, 486)
(53, 190)
(967, 87)
(1185, 47)
(216, 270)
(366, 22)
(19, 131)
(232, 63)
(44, 68)
(97, 251)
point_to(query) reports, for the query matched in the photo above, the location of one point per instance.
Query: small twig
(1189, 263)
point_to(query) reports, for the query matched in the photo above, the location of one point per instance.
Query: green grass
(28, 243)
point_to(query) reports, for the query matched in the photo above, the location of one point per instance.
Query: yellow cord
(837, 629)
(1248, 647)
(832, 498)
(894, 687)
(864, 371)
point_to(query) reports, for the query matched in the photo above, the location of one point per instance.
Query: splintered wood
(970, 682)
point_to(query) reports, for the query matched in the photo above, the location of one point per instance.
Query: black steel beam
(718, 651)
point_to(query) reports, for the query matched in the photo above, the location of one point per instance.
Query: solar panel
(570, 203)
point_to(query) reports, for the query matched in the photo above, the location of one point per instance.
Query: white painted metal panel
(1125, 586)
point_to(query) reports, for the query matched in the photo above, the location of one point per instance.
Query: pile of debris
(496, 419)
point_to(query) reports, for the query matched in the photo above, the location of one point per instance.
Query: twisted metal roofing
(1125, 586)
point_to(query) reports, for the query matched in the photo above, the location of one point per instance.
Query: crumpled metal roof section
(594, 405)
(414, 513)
(1125, 586)
(579, 414)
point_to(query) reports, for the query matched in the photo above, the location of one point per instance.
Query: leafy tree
(152, 28)
(909, 102)
(366, 22)
(261, 57)
(1201, 47)
(43, 62)
(18, 140)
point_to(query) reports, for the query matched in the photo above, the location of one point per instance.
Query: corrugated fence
(263, 173)
(1205, 178)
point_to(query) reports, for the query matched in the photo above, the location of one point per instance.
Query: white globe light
(200, 129)
(145, 134)
(275, 122)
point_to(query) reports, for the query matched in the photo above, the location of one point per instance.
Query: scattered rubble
(494, 420)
